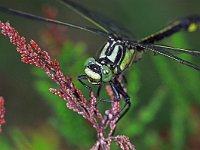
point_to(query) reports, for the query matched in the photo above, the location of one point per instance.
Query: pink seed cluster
(2, 112)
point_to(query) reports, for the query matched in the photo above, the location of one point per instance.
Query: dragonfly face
(97, 72)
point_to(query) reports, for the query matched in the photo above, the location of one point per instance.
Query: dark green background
(165, 95)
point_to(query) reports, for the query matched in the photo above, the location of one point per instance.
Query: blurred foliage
(164, 94)
(35, 140)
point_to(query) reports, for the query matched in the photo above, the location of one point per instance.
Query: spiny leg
(98, 90)
(119, 90)
(102, 100)
(190, 24)
(116, 95)
(126, 97)
(84, 77)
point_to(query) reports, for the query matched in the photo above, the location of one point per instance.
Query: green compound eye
(89, 61)
(106, 73)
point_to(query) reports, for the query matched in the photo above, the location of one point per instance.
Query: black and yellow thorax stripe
(116, 55)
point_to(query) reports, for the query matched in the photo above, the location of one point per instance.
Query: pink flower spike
(2, 112)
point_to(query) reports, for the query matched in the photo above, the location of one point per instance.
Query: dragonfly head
(97, 72)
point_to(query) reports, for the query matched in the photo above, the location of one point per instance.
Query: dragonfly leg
(98, 90)
(126, 98)
(116, 95)
(105, 100)
(84, 77)
(119, 90)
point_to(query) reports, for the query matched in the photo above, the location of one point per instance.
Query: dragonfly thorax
(117, 54)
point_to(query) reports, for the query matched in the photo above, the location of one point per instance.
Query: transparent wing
(167, 54)
(103, 23)
(176, 50)
(43, 19)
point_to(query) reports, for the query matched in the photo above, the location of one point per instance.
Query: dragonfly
(120, 51)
